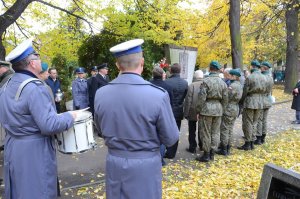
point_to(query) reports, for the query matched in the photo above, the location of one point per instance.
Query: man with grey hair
(179, 88)
(190, 111)
(29, 118)
(135, 118)
(5, 72)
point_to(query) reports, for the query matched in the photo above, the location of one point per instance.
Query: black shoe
(258, 140)
(212, 155)
(222, 151)
(245, 147)
(228, 149)
(263, 137)
(169, 156)
(204, 158)
(252, 145)
(190, 150)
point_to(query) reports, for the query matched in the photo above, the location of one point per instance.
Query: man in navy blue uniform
(28, 115)
(101, 79)
(94, 72)
(54, 84)
(135, 118)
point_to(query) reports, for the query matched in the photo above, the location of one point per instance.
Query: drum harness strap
(21, 87)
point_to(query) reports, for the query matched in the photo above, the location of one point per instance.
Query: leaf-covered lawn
(278, 93)
(235, 176)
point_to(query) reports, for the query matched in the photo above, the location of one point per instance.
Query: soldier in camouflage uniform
(252, 100)
(231, 111)
(211, 102)
(262, 121)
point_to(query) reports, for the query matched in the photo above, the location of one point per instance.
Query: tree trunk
(235, 34)
(8, 18)
(292, 32)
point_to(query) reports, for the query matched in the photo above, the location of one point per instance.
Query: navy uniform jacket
(54, 85)
(80, 94)
(30, 168)
(97, 82)
(135, 118)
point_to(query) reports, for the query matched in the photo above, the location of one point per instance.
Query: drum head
(83, 115)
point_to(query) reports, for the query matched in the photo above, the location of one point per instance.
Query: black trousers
(171, 151)
(192, 136)
(57, 104)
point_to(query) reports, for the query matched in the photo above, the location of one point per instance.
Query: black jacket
(161, 83)
(296, 98)
(96, 82)
(179, 87)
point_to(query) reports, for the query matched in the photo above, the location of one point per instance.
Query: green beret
(235, 72)
(44, 66)
(267, 64)
(215, 64)
(255, 63)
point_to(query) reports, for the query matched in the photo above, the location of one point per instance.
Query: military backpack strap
(5, 85)
(23, 84)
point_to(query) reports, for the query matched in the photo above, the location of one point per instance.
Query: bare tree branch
(21, 29)
(68, 12)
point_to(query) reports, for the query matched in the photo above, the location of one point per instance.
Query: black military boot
(246, 146)
(258, 140)
(212, 155)
(228, 149)
(204, 158)
(222, 150)
(252, 145)
(263, 139)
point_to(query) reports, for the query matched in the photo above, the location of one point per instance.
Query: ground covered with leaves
(278, 93)
(235, 176)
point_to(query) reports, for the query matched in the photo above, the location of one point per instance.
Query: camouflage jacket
(190, 101)
(254, 90)
(268, 89)
(235, 92)
(212, 98)
(5, 77)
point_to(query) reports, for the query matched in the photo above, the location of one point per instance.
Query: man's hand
(74, 114)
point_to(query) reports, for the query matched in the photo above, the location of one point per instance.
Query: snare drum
(80, 137)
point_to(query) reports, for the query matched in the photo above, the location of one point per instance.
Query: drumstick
(83, 109)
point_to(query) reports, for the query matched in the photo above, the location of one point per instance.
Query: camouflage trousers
(209, 132)
(262, 123)
(249, 120)
(226, 130)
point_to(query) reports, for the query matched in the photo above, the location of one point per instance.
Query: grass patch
(279, 95)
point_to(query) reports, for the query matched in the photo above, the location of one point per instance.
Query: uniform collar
(26, 72)
(129, 78)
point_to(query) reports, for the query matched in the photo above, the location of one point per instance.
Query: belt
(133, 154)
(28, 137)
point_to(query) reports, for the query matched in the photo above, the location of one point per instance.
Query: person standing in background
(5, 72)
(212, 101)
(80, 90)
(101, 79)
(54, 84)
(179, 87)
(158, 75)
(267, 103)
(190, 111)
(252, 101)
(94, 72)
(231, 111)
